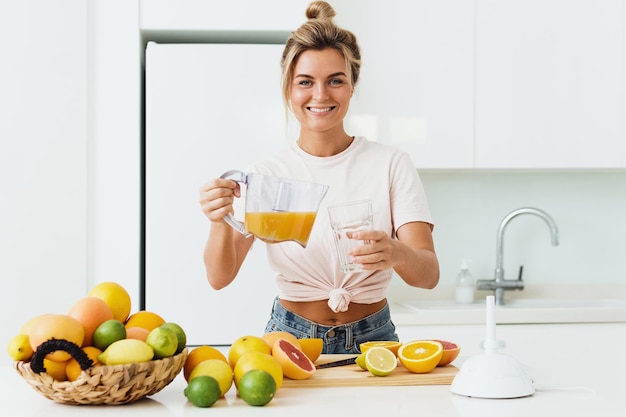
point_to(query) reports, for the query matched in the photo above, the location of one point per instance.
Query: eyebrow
(336, 74)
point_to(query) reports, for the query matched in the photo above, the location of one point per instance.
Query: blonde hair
(317, 33)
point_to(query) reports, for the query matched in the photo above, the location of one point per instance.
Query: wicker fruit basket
(113, 385)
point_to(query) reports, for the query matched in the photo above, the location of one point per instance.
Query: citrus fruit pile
(418, 356)
(256, 365)
(102, 325)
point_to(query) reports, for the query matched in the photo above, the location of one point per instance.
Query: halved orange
(312, 347)
(392, 345)
(420, 356)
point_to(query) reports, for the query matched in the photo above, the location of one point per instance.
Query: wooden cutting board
(353, 375)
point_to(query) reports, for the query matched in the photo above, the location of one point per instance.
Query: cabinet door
(209, 108)
(549, 84)
(416, 89)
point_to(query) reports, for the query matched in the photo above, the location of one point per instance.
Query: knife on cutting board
(342, 362)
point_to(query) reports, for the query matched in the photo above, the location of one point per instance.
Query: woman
(320, 65)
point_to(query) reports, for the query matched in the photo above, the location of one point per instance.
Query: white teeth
(318, 110)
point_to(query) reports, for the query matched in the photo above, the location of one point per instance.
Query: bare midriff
(319, 312)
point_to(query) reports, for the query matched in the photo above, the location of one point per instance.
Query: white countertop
(586, 395)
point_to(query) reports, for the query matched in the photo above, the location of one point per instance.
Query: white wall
(587, 206)
(43, 147)
(69, 154)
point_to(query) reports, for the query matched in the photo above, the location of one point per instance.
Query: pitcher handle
(240, 177)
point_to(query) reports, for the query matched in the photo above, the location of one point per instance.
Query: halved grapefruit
(295, 364)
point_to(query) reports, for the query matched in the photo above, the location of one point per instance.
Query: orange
(312, 348)
(259, 360)
(146, 319)
(295, 364)
(138, 333)
(91, 312)
(271, 337)
(420, 356)
(73, 367)
(115, 296)
(58, 326)
(201, 354)
(246, 344)
(450, 352)
(392, 345)
(56, 369)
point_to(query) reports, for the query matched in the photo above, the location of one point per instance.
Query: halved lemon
(392, 345)
(380, 361)
(420, 356)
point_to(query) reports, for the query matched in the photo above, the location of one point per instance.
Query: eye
(305, 83)
(336, 82)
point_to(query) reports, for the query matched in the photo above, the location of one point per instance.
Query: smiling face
(320, 91)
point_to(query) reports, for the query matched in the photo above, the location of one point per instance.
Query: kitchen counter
(588, 394)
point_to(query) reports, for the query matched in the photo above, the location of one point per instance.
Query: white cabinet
(549, 84)
(416, 89)
(209, 108)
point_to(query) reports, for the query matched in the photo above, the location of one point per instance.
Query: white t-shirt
(364, 171)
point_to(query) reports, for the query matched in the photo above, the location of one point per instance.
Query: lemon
(257, 387)
(217, 369)
(126, 351)
(180, 335)
(360, 360)
(380, 361)
(108, 332)
(202, 391)
(20, 348)
(163, 341)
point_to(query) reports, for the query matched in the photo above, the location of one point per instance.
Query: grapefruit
(258, 360)
(246, 344)
(91, 312)
(295, 364)
(450, 352)
(57, 326)
(116, 296)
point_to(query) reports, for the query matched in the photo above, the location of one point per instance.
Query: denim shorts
(343, 338)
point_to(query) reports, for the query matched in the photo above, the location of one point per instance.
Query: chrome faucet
(499, 284)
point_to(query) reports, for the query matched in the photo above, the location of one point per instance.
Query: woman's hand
(217, 196)
(376, 252)
(411, 255)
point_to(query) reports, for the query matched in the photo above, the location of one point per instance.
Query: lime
(180, 334)
(108, 332)
(202, 391)
(163, 341)
(380, 361)
(215, 368)
(257, 387)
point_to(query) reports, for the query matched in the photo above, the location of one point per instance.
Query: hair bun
(320, 10)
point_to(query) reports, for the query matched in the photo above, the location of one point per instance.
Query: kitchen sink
(531, 310)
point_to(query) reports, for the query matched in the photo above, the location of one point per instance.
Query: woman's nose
(320, 91)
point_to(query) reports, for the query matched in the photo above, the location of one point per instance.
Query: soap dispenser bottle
(464, 284)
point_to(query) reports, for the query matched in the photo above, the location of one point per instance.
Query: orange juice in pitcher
(281, 226)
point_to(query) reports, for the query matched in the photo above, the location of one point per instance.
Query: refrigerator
(209, 108)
